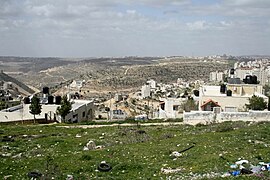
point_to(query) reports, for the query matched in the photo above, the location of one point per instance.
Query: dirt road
(125, 124)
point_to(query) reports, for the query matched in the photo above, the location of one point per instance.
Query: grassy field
(133, 152)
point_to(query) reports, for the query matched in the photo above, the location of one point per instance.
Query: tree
(64, 108)
(256, 103)
(35, 107)
(189, 105)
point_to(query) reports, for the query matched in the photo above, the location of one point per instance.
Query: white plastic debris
(176, 154)
(241, 162)
(170, 170)
(227, 174)
(69, 177)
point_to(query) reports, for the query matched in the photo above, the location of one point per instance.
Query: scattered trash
(236, 173)
(69, 177)
(244, 168)
(99, 147)
(17, 156)
(241, 162)
(34, 174)
(227, 174)
(6, 147)
(175, 154)
(179, 153)
(170, 170)
(256, 169)
(184, 150)
(91, 145)
(246, 171)
(104, 167)
(6, 155)
(7, 177)
(78, 136)
(7, 139)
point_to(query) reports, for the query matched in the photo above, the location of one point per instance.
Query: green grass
(56, 152)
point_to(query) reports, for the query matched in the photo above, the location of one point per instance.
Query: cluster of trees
(257, 103)
(63, 110)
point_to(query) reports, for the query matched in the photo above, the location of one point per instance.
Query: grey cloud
(98, 28)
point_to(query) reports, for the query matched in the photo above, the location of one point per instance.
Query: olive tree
(256, 103)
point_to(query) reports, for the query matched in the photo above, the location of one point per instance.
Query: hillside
(21, 86)
(136, 152)
(121, 74)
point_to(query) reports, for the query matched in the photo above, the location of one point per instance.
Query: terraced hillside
(111, 74)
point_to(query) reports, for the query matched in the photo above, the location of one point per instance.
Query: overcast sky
(87, 28)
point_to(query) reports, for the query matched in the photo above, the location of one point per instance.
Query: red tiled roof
(208, 101)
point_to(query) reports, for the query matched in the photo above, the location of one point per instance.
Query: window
(175, 107)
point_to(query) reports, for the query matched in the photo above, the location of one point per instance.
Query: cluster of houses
(217, 99)
(224, 98)
(82, 110)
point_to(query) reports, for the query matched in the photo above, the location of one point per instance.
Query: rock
(91, 145)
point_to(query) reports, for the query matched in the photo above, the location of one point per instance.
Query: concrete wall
(83, 113)
(169, 111)
(245, 89)
(195, 117)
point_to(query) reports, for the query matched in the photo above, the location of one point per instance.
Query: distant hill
(21, 86)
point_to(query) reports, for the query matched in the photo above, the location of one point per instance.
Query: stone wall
(205, 117)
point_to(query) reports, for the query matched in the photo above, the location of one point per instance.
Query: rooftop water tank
(50, 99)
(58, 99)
(229, 93)
(26, 100)
(45, 90)
(222, 88)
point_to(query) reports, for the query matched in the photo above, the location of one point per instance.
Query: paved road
(125, 124)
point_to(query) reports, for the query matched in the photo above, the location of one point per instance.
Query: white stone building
(169, 108)
(211, 97)
(217, 76)
(146, 91)
(82, 110)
